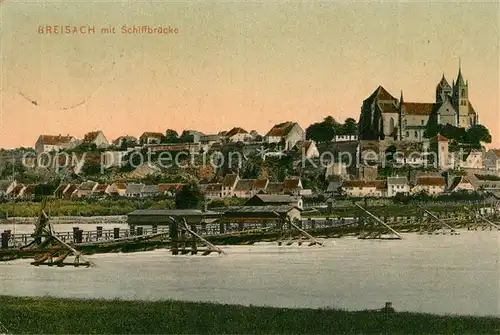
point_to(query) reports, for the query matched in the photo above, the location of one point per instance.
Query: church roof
(418, 108)
(380, 94)
(388, 108)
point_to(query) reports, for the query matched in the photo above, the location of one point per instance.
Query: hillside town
(397, 147)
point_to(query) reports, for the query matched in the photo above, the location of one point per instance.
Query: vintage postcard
(322, 167)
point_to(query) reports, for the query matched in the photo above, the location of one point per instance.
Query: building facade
(385, 117)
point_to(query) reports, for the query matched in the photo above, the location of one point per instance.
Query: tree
(477, 134)
(186, 137)
(171, 136)
(432, 127)
(322, 131)
(389, 153)
(350, 127)
(189, 197)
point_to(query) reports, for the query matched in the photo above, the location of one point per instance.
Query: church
(383, 117)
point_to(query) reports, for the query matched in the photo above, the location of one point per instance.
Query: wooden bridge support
(75, 234)
(174, 237)
(116, 233)
(194, 248)
(5, 240)
(99, 232)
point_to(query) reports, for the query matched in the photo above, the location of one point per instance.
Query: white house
(460, 183)
(492, 160)
(365, 188)
(288, 132)
(134, 190)
(238, 134)
(49, 143)
(397, 185)
(473, 160)
(117, 189)
(85, 189)
(97, 138)
(246, 188)
(432, 185)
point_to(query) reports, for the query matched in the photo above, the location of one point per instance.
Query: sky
(233, 63)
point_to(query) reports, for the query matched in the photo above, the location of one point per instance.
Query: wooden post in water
(5, 240)
(182, 241)
(79, 236)
(174, 236)
(116, 233)
(99, 232)
(75, 234)
(194, 248)
(222, 228)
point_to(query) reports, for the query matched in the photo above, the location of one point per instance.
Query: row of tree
(326, 130)
(459, 137)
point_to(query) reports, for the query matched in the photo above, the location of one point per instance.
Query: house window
(421, 122)
(463, 92)
(416, 134)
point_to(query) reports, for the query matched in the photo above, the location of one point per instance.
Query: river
(422, 273)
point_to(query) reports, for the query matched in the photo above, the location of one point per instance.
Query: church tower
(443, 89)
(461, 100)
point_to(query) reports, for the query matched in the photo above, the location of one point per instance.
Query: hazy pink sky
(234, 63)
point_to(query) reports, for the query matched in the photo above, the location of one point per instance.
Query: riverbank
(65, 316)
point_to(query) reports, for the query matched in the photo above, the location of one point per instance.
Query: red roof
(29, 189)
(388, 108)
(169, 187)
(121, 186)
(101, 188)
(441, 138)
(55, 140)
(235, 131)
(291, 183)
(152, 134)
(260, 183)
(431, 181)
(378, 184)
(418, 108)
(16, 190)
(281, 129)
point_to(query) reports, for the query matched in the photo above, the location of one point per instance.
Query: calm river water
(423, 273)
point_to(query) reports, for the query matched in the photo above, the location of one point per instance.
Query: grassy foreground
(64, 316)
